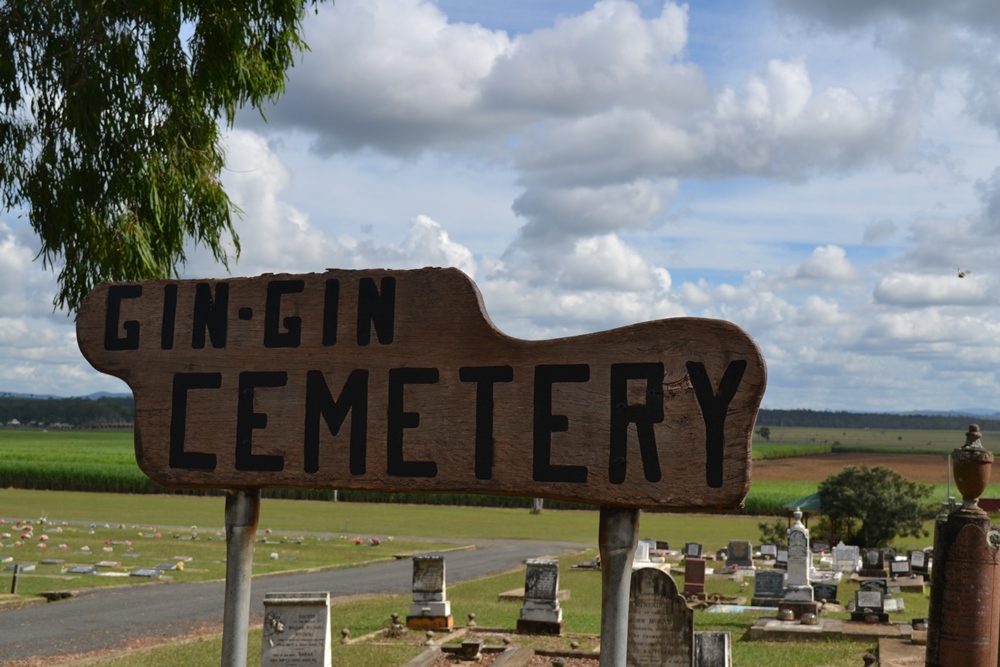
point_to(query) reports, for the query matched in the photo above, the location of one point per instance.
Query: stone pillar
(964, 617)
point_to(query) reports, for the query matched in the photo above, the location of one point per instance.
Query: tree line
(821, 419)
(74, 412)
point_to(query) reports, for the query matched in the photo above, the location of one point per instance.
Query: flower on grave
(43, 538)
(267, 531)
(25, 536)
(180, 565)
(64, 546)
(4, 536)
(274, 555)
(84, 548)
(42, 545)
(107, 541)
(375, 541)
(358, 540)
(108, 549)
(158, 535)
(128, 543)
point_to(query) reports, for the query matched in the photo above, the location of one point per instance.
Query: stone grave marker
(826, 592)
(769, 551)
(22, 567)
(739, 553)
(798, 591)
(660, 624)
(6, 559)
(162, 567)
(713, 649)
(81, 569)
(541, 613)
(430, 609)
(662, 545)
(694, 578)
(868, 601)
(721, 554)
(918, 562)
(296, 630)
(641, 555)
(879, 585)
(768, 588)
(872, 564)
(148, 573)
(899, 568)
(53, 561)
(692, 550)
(781, 560)
(650, 544)
(846, 558)
(891, 604)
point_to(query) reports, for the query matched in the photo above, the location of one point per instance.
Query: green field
(897, 441)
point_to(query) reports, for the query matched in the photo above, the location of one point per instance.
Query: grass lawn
(891, 440)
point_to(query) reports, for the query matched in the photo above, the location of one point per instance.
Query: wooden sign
(398, 381)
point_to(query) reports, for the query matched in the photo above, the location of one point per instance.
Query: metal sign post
(242, 513)
(618, 536)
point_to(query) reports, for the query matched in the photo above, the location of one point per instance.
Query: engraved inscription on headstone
(541, 580)
(713, 649)
(660, 624)
(692, 550)
(296, 630)
(868, 599)
(769, 551)
(799, 561)
(899, 567)
(917, 560)
(825, 592)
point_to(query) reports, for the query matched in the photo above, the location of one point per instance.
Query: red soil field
(924, 468)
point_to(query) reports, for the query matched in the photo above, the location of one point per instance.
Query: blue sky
(814, 172)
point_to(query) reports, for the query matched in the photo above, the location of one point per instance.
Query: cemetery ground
(320, 525)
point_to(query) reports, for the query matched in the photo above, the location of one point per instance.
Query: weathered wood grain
(397, 380)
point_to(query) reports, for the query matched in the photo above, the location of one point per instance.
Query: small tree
(764, 432)
(872, 506)
(774, 531)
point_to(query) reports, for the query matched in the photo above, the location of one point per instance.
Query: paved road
(109, 618)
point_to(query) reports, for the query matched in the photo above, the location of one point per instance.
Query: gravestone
(694, 578)
(692, 550)
(798, 592)
(296, 630)
(650, 544)
(82, 569)
(899, 568)
(145, 572)
(660, 624)
(739, 553)
(918, 562)
(872, 564)
(825, 592)
(721, 554)
(662, 545)
(781, 560)
(768, 588)
(868, 602)
(713, 649)
(641, 555)
(846, 558)
(541, 613)
(430, 609)
(769, 551)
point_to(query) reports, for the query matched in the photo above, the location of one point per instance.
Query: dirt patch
(924, 468)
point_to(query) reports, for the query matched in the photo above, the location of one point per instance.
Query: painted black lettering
(643, 416)
(247, 420)
(331, 305)
(714, 407)
(399, 420)
(546, 423)
(485, 377)
(376, 310)
(184, 383)
(113, 313)
(319, 403)
(210, 314)
(273, 336)
(169, 317)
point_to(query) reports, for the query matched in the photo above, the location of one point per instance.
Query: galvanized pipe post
(618, 537)
(242, 514)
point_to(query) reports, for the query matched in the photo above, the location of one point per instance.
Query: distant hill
(941, 421)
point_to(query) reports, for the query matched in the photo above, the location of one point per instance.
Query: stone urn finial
(971, 465)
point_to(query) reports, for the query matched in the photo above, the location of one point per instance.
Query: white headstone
(641, 553)
(541, 592)
(296, 630)
(429, 587)
(799, 561)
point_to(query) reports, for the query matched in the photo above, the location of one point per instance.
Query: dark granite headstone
(692, 550)
(768, 587)
(826, 592)
(662, 545)
(740, 553)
